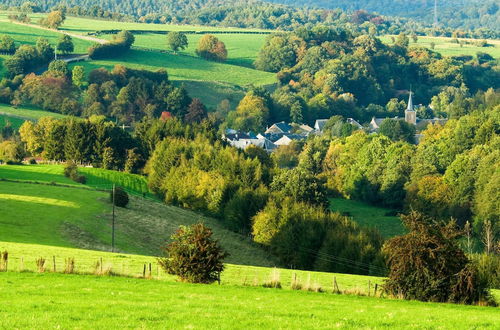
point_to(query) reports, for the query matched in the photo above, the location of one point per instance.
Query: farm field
(14, 122)
(27, 113)
(78, 217)
(242, 49)
(367, 215)
(96, 177)
(186, 68)
(84, 25)
(28, 35)
(446, 47)
(80, 301)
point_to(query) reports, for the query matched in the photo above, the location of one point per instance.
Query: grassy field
(96, 177)
(14, 122)
(76, 217)
(85, 25)
(242, 49)
(186, 68)
(28, 35)
(79, 301)
(28, 113)
(446, 47)
(369, 216)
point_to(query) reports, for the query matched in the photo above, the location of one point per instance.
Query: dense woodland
(462, 14)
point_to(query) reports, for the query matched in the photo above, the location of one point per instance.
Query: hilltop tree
(65, 44)
(177, 40)
(211, 48)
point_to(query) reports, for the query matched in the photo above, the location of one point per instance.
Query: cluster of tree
(125, 94)
(120, 44)
(471, 14)
(93, 141)
(328, 71)
(451, 173)
(28, 57)
(281, 208)
(211, 48)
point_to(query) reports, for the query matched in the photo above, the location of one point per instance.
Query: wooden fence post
(144, 271)
(369, 288)
(376, 286)
(54, 264)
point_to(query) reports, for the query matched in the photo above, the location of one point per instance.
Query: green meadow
(242, 49)
(383, 219)
(28, 35)
(80, 301)
(28, 113)
(446, 47)
(13, 121)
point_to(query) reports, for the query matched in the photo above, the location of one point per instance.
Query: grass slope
(242, 49)
(13, 121)
(28, 113)
(96, 177)
(75, 217)
(28, 35)
(76, 301)
(84, 25)
(369, 216)
(186, 68)
(446, 47)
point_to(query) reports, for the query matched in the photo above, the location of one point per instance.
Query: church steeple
(410, 103)
(410, 114)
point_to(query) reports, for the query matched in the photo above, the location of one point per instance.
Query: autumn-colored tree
(250, 115)
(427, 264)
(54, 19)
(211, 48)
(196, 113)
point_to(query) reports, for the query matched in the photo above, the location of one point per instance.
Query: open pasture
(446, 47)
(28, 35)
(242, 49)
(79, 301)
(181, 67)
(385, 220)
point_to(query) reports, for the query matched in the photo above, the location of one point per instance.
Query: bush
(121, 197)
(427, 264)
(194, 255)
(32, 161)
(70, 168)
(71, 171)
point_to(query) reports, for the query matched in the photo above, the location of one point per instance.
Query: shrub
(121, 197)
(427, 264)
(193, 255)
(70, 168)
(71, 171)
(32, 161)
(211, 48)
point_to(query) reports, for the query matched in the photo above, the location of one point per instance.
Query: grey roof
(280, 127)
(319, 124)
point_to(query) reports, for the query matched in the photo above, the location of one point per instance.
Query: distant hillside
(465, 14)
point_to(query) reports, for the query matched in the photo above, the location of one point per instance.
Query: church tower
(410, 113)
